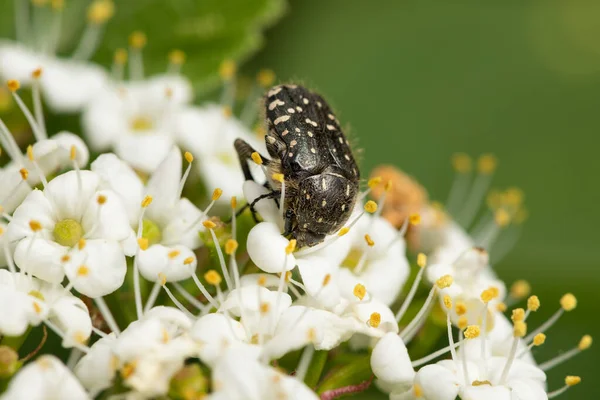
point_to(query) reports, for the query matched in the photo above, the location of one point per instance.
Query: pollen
(461, 308)
(35, 226)
(520, 289)
(262, 281)
(488, 295)
(213, 277)
(24, 173)
(585, 343)
(265, 307)
(369, 241)
(289, 249)
(343, 231)
(173, 254)
(13, 85)
(233, 202)
(501, 307)
(374, 320)
(388, 186)
(278, 177)
(370, 206)
(359, 291)
(83, 270)
(101, 199)
(502, 217)
(311, 335)
(120, 56)
(138, 40)
(65, 259)
(81, 244)
(461, 162)
(227, 70)
(188, 261)
(472, 331)
(568, 302)
(518, 314)
(265, 77)
(444, 282)
(421, 260)
(100, 11)
(188, 157)
(227, 111)
(256, 158)
(176, 57)
(539, 339)
(418, 390)
(147, 201)
(447, 302)
(143, 243)
(519, 329)
(414, 219)
(217, 194)
(37, 73)
(37, 308)
(326, 279)
(572, 380)
(162, 278)
(533, 303)
(462, 323)
(165, 336)
(373, 182)
(209, 224)
(128, 370)
(486, 164)
(231, 246)
(30, 153)
(73, 153)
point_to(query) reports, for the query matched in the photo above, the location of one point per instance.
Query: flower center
(151, 232)
(67, 232)
(141, 123)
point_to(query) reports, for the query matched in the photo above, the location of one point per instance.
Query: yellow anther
(188, 261)
(472, 331)
(13, 85)
(66, 258)
(444, 282)
(520, 289)
(137, 40)
(374, 320)
(101, 199)
(462, 322)
(502, 217)
(256, 158)
(572, 380)
(217, 194)
(81, 244)
(165, 336)
(370, 206)
(486, 164)
(233, 202)
(143, 243)
(501, 307)
(209, 224)
(533, 303)
(24, 173)
(421, 260)
(100, 11)
(35, 226)
(265, 307)
(265, 77)
(120, 56)
(518, 314)
(227, 111)
(461, 162)
(288, 277)
(162, 278)
(359, 291)
(188, 157)
(343, 231)
(227, 70)
(37, 73)
(519, 329)
(568, 302)
(73, 153)
(262, 280)
(311, 334)
(213, 277)
(173, 254)
(375, 181)
(80, 337)
(231, 246)
(514, 196)
(414, 219)
(37, 308)
(147, 201)
(488, 295)
(291, 246)
(585, 342)
(83, 270)
(369, 241)
(278, 177)
(461, 308)
(493, 289)
(128, 370)
(30, 153)
(176, 57)
(447, 302)
(388, 185)
(326, 279)
(418, 390)
(539, 339)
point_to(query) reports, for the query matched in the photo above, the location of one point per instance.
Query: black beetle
(309, 148)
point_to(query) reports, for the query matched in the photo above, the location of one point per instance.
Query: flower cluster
(154, 295)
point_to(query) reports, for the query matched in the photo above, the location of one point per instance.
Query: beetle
(306, 145)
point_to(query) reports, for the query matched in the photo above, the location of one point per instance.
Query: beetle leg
(244, 151)
(288, 219)
(271, 195)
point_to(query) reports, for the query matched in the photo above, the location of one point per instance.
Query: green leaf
(354, 373)
(315, 369)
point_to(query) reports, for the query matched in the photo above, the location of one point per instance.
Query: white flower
(96, 369)
(137, 119)
(48, 227)
(46, 378)
(170, 223)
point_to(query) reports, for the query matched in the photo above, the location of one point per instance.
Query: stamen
(485, 166)
(13, 86)
(210, 226)
(281, 179)
(152, 296)
(37, 102)
(448, 305)
(107, 315)
(10, 145)
(137, 41)
(462, 164)
(62, 335)
(359, 291)
(227, 71)
(163, 283)
(584, 344)
(451, 348)
(189, 158)
(98, 13)
(189, 298)
(422, 263)
(538, 340)
(569, 381)
(374, 320)
(304, 362)
(205, 293)
(36, 166)
(519, 331)
(176, 60)
(118, 66)
(568, 302)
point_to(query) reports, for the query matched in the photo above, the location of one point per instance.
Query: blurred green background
(419, 80)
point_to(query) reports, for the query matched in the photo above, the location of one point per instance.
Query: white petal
(108, 220)
(144, 152)
(96, 369)
(71, 315)
(12, 187)
(266, 248)
(180, 228)
(267, 208)
(41, 258)
(486, 392)
(106, 268)
(171, 317)
(437, 382)
(384, 277)
(105, 120)
(180, 88)
(314, 271)
(363, 311)
(35, 207)
(163, 186)
(390, 361)
(216, 333)
(71, 192)
(155, 260)
(16, 306)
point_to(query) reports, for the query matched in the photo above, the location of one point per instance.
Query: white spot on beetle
(341, 140)
(275, 103)
(285, 132)
(305, 101)
(320, 220)
(331, 127)
(312, 150)
(293, 143)
(298, 130)
(319, 104)
(271, 139)
(291, 110)
(290, 154)
(274, 91)
(346, 157)
(310, 134)
(323, 184)
(331, 117)
(347, 190)
(281, 119)
(323, 203)
(309, 121)
(299, 109)
(343, 207)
